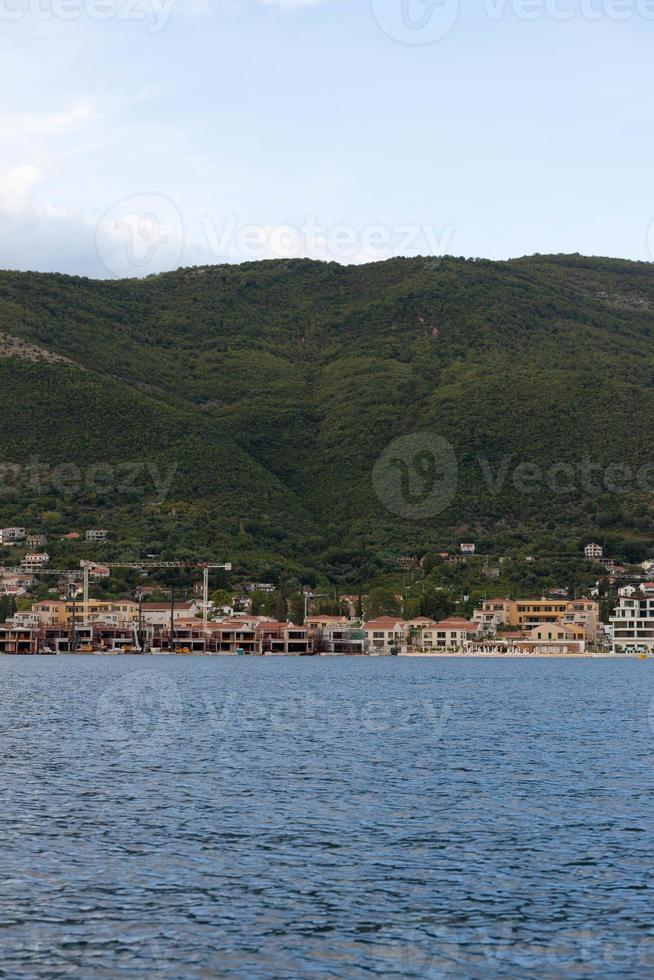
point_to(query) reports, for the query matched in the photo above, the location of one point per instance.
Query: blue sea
(365, 817)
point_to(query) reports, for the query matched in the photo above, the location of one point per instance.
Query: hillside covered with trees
(246, 412)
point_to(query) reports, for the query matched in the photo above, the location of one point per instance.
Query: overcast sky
(140, 135)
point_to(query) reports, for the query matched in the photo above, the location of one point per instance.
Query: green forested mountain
(273, 388)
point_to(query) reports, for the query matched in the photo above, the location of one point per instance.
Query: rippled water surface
(183, 817)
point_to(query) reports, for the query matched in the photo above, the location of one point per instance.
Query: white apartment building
(594, 551)
(632, 625)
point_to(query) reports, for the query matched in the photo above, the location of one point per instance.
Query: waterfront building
(384, 634)
(334, 635)
(59, 612)
(632, 625)
(527, 613)
(449, 635)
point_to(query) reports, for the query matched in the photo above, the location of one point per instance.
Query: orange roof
(457, 623)
(384, 622)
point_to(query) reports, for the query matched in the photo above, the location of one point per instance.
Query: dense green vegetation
(255, 400)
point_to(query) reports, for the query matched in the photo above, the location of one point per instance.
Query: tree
(257, 600)
(382, 602)
(296, 609)
(281, 608)
(436, 605)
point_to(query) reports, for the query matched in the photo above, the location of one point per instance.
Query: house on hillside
(97, 534)
(10, 535)
(593, 551)
(35, 560)
(35, 541)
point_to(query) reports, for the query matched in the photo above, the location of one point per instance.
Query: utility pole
(85, 613)
(172, 618)
(72, 643)
(139, 596)
(205, 602)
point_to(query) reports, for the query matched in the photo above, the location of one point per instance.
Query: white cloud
(15, 185)
(48, 124)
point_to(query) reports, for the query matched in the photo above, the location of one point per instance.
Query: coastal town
(72, 621)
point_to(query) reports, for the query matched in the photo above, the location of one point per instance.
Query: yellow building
(59, 612)
(526, 613)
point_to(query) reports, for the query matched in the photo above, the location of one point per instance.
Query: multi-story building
(35, 560)
(384, 634)
(16, 639)
(333, 636)
(448, 635)
(97, 534)
(283, 638)
(592, 551)
(158, 613)
(36, 541)
(632, 625)
(524, 614)
(9, 535)
(468, 548)
(59, 612)
(321, 622)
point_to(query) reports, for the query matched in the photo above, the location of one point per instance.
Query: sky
(138, 136)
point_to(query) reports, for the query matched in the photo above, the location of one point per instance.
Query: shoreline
(400, 656)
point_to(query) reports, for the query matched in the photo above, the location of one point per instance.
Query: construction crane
(88, 566)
